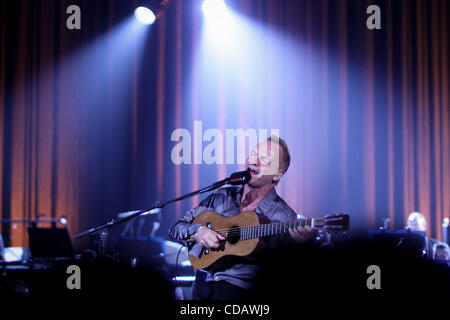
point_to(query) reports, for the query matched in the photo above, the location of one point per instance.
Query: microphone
(239, 177)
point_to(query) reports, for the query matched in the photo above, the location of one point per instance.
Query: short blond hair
(286, 161)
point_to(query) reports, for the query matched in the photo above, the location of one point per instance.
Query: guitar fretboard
(274, 228)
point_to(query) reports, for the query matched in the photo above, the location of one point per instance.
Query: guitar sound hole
(233, 235)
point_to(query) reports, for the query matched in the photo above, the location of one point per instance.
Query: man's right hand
(208, 238)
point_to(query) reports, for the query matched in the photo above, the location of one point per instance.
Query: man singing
(267, 163)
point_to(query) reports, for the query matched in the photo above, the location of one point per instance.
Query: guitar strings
(240, 230)
(267, 224)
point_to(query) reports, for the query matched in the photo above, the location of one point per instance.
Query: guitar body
(232, 245)
(243, 232)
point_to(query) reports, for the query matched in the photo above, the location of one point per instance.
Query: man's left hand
(301, 234)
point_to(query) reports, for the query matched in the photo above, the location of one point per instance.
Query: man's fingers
(295, 234)
(306, 230)
(292, 233)
(212, 244)
(211, 240)
(217, 236)
(300, 231)
(204, 243)
(301, 234)
(213, 237)
(212, 234)
(208, 237)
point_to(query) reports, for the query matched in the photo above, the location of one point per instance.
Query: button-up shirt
(226, 201)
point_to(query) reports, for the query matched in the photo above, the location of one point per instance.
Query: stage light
(214, 8)
(184, 278)
(144, 15)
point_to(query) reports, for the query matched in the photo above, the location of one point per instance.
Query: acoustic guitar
(242, 232)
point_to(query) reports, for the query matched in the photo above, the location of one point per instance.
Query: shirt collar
(266, 202)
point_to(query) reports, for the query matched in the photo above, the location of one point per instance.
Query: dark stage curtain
(86, 120)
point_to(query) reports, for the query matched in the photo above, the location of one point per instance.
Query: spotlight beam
(213, 8)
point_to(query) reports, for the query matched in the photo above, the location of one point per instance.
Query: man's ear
(278, 176)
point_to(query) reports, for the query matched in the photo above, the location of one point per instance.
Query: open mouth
(253, 171)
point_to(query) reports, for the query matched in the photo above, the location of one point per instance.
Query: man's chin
(258, 182)
(251, 183)
(254, 183)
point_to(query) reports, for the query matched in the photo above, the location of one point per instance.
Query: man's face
(416, 223)
(264, 164)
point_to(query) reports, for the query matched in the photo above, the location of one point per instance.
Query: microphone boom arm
(244, 179)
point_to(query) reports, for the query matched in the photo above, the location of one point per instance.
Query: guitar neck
(274, 228)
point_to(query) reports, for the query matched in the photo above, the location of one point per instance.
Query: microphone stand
(105, 227)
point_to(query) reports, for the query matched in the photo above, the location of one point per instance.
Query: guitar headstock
(336, 222)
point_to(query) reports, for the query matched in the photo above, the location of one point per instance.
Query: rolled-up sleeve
(183, 228)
